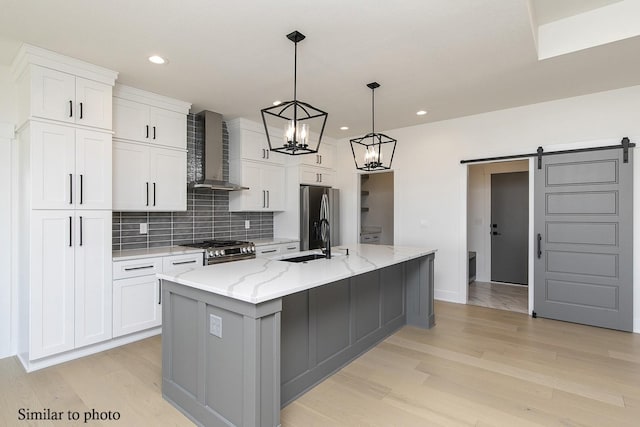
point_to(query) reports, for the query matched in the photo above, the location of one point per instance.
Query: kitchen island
(242, 339)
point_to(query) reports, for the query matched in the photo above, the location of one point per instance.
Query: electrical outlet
(215, 325)
(247, 224)
(144, 228)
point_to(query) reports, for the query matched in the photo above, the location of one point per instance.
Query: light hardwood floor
(476, 367)
(499, 295)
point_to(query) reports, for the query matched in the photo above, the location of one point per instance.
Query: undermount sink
(304, 258)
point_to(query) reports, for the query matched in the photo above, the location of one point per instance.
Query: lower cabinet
(136, 304)
(277, 249)
(137, 295)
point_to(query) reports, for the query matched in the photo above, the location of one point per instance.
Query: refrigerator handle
(304, 218)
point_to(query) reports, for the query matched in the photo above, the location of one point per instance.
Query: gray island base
(229, 362)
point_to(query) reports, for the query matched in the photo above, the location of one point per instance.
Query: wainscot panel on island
(242, 339)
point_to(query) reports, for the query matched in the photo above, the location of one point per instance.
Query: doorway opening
(497, 235)
(376, 208)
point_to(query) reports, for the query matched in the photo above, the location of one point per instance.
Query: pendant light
(302, 124)
(374, 151)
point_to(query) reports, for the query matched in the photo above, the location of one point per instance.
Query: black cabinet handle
(144, 267)
(80, 231)
(159, 292)
(185, 262)
(267, 153)
(70, 108)
(154, 194)
(147, 194)
(147, 136)
(81, 179)
(539, 246)
(268, 251)
(70, 188)
(81, 110)
(154, 132)
(268, 198)
(70, 232)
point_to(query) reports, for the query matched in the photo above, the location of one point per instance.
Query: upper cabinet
(248, 141)
(149, 151)
(147, 117)
(323, 158)
(63, 89)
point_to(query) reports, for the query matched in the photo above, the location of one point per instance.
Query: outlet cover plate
(215, 325)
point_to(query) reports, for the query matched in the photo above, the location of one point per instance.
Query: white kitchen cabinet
(137, 304)
(150, 118)
(324, 158)
(137, 293)
(249, 142)
(277, 249)
(311, 175)
(70, 286)
(64, 97)
(148, 178)
(266, 187)
(71, 168)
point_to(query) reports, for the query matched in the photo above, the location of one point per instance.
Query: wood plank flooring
(499, 295)
(476, 367)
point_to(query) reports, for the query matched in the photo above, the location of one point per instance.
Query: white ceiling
(450, 57)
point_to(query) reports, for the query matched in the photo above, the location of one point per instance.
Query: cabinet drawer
(268, 250)
(137, 267)
(180, 263)
(290, 247)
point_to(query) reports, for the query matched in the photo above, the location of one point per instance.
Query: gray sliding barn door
(583, 239)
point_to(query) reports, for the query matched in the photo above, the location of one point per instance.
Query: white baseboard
(35, 365)
(448, 296)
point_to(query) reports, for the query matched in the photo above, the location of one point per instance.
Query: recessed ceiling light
(157, 59)
(277, 102)
(421, 113)
(344, 128)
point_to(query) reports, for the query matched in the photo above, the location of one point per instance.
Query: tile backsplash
(207, 215)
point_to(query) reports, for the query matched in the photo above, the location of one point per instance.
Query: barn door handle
(539, 246)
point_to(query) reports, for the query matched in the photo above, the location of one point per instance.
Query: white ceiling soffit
(572, 25)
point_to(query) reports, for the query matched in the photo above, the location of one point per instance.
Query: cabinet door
(136, 305)
(52, 166)
(53, 94)
(256, 147)
(315, 176)
(326, 155)
(130, 176)
(168, 178)
(52, 310)
(168, 128)
(253, 199)
(93, 103)
(93, 170)
(93, 285)
(131, 120)
(273, 182)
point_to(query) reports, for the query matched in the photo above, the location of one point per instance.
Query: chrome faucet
(327, 242)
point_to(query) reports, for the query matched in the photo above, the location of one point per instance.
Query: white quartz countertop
(154, 252)
(263, 279)
(274, 241)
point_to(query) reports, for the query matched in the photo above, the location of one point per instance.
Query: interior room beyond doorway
(497, 235)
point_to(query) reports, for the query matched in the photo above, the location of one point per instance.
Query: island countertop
(263, 279)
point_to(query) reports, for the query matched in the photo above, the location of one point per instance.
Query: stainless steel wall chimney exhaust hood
(213, 156)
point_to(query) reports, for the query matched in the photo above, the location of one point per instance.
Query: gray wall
(207, 215)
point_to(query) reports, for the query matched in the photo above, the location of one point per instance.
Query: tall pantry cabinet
(65, 152)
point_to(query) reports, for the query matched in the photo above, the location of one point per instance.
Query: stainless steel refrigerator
(310, 227)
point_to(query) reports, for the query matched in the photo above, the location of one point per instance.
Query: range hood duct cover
(213, 155)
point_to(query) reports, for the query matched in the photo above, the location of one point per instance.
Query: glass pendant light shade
(301, 124)
(374, 151)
